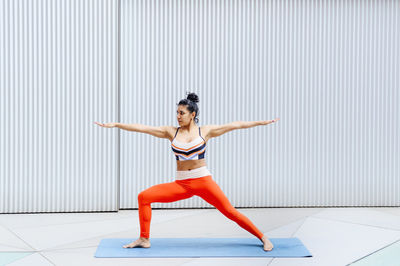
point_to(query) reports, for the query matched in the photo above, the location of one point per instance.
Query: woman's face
(183, 115)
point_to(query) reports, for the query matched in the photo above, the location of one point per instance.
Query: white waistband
(195, 173)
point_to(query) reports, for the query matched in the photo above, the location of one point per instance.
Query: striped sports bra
(193, 150)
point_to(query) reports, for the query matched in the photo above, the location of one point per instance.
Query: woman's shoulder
(204, 130)
(171, 132)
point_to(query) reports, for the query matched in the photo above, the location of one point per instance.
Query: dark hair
(191, 101)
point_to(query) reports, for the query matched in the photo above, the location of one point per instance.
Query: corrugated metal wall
(58, 74)
(328, 69)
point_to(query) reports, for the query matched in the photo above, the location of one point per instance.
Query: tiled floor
(335, 236)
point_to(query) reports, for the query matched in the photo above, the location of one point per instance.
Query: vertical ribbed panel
(58, 74)
(328, 69)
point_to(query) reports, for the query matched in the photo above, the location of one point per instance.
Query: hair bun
(193, 97)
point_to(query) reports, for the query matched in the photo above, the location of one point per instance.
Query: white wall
(328, 69)
(58, 74)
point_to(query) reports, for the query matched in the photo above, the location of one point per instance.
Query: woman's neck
(189, 128)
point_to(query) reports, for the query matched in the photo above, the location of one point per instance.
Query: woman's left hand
(270, 121)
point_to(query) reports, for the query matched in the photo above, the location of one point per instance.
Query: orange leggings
(204, 187)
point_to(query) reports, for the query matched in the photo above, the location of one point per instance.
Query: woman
(192, 176)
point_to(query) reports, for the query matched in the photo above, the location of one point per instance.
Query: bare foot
(141, 243)
(268, 246)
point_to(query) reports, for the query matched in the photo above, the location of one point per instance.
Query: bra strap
(200, 135)
(176, 133)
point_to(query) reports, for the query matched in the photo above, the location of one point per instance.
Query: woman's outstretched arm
(160, 132)
(217, 130)
(247, 124)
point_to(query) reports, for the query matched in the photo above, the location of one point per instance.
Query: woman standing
(188, 143)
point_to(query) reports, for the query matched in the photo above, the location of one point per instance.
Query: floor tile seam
(292, 235)
(377, 211)
(370, 254)
(80, 222)
(297, 220)
(85, 239)
(298, 228)
(10, 246)
(102, 236)
(89, 239)
(34, 250)
(19, 251)
(70, 248)
(32, 253)
(23, 227)
(47, 259)
(387, 212)
(13, 233)
(35, 227)
(88, 221)
(44, 226)
(347, 222)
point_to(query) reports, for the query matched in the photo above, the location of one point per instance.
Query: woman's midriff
(190, 165)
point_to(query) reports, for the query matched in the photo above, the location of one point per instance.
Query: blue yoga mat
(201, 247)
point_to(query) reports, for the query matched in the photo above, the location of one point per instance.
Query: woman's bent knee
(142, 197)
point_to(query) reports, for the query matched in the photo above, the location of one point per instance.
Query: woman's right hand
(108, 125)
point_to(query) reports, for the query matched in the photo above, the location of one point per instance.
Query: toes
(132, 245)
(268, 249)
